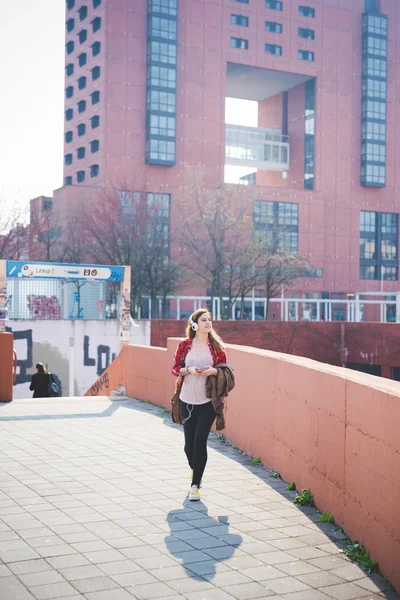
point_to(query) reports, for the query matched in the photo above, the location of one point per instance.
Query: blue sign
(35, 270)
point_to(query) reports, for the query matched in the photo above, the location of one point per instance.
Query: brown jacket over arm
(218, 387)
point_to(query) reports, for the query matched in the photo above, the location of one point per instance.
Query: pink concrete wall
(330, 430)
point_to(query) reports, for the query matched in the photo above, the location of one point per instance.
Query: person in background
(200, 351)
(40, 382)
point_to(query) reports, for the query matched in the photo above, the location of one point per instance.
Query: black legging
(197, 429)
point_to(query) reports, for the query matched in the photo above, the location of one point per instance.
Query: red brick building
(146, 83)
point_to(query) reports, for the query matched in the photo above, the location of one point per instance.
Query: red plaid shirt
(183, 348)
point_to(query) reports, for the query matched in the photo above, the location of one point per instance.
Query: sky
(32, 42)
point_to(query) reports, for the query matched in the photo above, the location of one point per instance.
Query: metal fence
(57, 299)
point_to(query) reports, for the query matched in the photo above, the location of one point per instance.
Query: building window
(95, 73)
(309, 134)
(162, 126)
(80, 176)
(82, 59)
(239, 43)
(68, 159)
(81, 106)
(307, 11)
(80, 152)
(163, 52)
(70, 47)
(69, 69)
(274, 4)
(70, 24)
(82, 82)
(81, 129)
(94, 170)
(372, 6)
(276, 225)
(273, 27)
(158, 207)
(168, 7)
(96, 24)
(308, 34)
(69, 113)
(161, 77)
(375, 25)
(95, 97)
(163, 28)
(82, 12)
(70, 4)
(378, 245)
(68, 137)
(94, 146)
(68, 180)
(376, 46)
(69, 92)
(96, 3)
(306, 55)
(161, 101)
(374, 95)
(82, 36)
(242, 1)
(95, 121)
(96, 48)
(161, 150)
(240, 20)
(273, 49)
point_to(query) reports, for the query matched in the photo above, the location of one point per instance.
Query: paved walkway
(92, 505)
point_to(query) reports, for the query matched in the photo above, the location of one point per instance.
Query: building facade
(145, 88)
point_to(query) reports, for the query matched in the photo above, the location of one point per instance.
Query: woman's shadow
(200, 541)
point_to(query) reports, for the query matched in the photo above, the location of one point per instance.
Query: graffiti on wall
(24, 341)
(44, 307)
(100, 384)
(102, 361)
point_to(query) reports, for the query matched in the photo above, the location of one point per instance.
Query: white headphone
(193, 324)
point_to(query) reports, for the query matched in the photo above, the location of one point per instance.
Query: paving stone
(43, 578)
(109, 595)
(299, 567)
(320, 579)
(286, 585)
(262, 573)
(187, 585)
(69, 560)
(37, 565)
(119, 566)
(344, 591)
(82, 572)
(52, 590)
(95, 584)
(133, 578)
(307, 595)
(275, 558)
(249, 591)
(349, 572)
(151, 590)
(214, 594)
(207, 567)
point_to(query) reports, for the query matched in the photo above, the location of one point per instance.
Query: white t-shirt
(194, 386)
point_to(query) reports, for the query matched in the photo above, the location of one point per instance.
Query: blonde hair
(213, 336)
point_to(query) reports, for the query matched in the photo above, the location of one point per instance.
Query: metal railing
(356, 309)
(265, 149)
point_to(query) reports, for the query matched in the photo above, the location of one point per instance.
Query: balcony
(264, 149)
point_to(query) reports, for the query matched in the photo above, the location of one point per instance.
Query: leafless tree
(125, 228)
(47, 236)
(216, 240)
(280, 268)
(13, 233)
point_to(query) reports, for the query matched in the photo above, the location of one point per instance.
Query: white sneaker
(194, 493)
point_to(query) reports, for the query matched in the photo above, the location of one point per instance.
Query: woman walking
(195, 360)
(40, 382)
